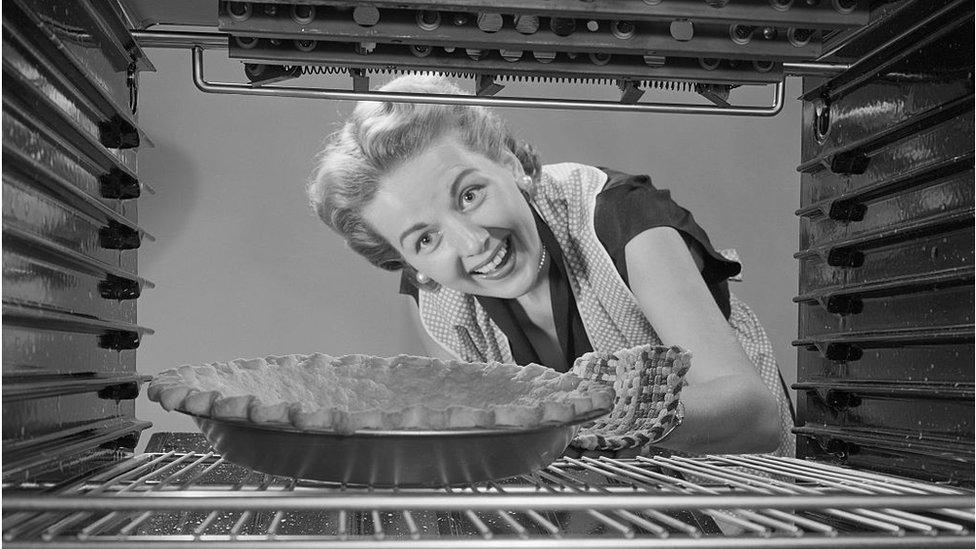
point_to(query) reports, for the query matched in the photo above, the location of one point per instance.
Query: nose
(468, 238)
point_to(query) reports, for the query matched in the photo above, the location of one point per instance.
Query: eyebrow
(454, 188)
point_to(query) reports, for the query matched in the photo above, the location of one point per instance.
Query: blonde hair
(378, 137)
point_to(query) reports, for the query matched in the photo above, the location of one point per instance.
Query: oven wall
(243, 268)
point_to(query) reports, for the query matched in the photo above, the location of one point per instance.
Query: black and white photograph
(470, 274)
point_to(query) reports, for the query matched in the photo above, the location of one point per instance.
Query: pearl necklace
(542, 260)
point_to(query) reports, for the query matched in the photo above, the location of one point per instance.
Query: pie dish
(354, 393)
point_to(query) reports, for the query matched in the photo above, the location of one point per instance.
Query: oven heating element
(198, 500)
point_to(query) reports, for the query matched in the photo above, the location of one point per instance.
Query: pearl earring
(422, 278)
(527, 182)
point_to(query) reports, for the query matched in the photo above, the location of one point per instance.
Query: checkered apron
(565, 198)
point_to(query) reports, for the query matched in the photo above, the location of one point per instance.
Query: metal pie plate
(391, 458)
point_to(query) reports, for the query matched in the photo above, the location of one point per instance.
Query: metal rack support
(537, 103)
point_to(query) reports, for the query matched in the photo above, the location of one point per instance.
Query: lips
(494, 263)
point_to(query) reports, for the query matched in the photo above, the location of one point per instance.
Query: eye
(425, 241)
(470, 196)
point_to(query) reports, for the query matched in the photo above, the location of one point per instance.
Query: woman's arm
(727, 406)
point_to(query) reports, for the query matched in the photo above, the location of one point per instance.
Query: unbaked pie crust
(349, 393)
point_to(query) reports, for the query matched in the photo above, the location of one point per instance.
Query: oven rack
(176, 500)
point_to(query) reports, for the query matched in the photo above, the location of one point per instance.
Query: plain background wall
(243, 268)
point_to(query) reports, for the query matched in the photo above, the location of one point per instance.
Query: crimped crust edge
(171, 390)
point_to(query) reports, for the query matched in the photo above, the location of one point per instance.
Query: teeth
(495, 261)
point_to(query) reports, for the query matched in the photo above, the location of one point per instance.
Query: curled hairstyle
(380, 136)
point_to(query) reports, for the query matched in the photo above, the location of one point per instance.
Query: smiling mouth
(497, 261)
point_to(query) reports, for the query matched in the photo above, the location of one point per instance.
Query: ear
(523, 181)
(512, 163)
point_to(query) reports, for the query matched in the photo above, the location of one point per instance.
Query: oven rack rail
(194, 500)
(488, 84)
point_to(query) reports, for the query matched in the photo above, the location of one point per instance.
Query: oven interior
(885, 383)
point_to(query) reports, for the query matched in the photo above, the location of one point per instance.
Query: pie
(350, 393)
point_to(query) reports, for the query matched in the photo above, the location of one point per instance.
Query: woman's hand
(727, 406)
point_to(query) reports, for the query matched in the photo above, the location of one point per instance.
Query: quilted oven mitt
(647, 380)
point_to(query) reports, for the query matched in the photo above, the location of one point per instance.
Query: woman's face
(459, 218)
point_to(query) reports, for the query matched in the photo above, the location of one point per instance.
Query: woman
(508, 260)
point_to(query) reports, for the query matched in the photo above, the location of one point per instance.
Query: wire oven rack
(195, 500)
